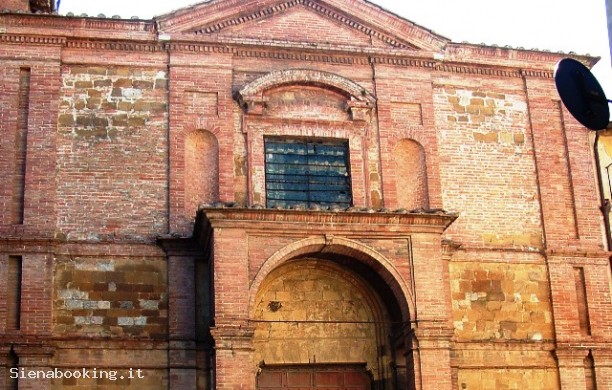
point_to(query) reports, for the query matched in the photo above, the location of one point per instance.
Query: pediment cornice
(314, 6)
(214, 16)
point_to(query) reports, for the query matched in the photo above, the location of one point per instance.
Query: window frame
(315, 152)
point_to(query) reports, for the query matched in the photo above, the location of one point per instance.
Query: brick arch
(340, 246)
(276, 79)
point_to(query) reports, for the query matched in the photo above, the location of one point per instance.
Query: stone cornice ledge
(426, 220)
(68, 25)
(177, 41)
(577, 253)
(467, 52)
(33, 39)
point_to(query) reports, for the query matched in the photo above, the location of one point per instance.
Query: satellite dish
(581, 94)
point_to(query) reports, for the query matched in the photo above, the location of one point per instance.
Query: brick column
(433, 308)
(570, 329)
(413, 362)
(571, 368)
(603, 367)
(5, 350)
(234, 356)
(232, 333)
(181, 312)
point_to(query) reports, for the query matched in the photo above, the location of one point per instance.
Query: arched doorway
(328, 320)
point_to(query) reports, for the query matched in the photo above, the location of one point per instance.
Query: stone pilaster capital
(602, 356)
(571, 357)
(33, 355)
(5, 350)
(236, 335)
(434, 337)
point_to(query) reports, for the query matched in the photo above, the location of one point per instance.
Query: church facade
(276, 194)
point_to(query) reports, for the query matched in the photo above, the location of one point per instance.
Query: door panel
(315, 377)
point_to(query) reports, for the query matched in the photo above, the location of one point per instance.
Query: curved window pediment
(305, 102)
(357, 101)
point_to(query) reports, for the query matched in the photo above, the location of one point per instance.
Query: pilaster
(571, 368)
(234, 353)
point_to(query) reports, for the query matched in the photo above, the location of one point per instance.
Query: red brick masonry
(133, 193)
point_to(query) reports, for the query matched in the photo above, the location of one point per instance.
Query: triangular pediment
(338, 22)
(296, 24)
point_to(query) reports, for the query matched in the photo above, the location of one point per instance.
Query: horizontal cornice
(337, 54)
(139, 46)
(33, 39)
(285, 219)
(67, 23)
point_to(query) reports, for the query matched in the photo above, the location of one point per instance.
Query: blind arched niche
(411, 175)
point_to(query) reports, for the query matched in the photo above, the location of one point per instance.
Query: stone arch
(307, 76)
(201, 177)
(313, 310)
(369, 257)
(411, 175)
(359, 101)
(332, 300)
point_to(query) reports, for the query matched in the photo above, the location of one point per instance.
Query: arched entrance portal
(328, 321)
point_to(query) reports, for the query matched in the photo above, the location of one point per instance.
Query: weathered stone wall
(110, 297)
(112, 152)
(112, 377)
(303, 103)
(313, 312)
(495, 302)
(496, 379)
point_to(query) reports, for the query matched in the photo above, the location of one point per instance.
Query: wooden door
(315, 377)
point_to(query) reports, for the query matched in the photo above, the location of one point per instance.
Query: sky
(578, 26)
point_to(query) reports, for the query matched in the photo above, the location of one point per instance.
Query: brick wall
(27, 188)
(13, 292)
(411, 175)
(486, 164)
(201, 170)
(113, 137)
(16, 5)
(114, 119)
(199, 102)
